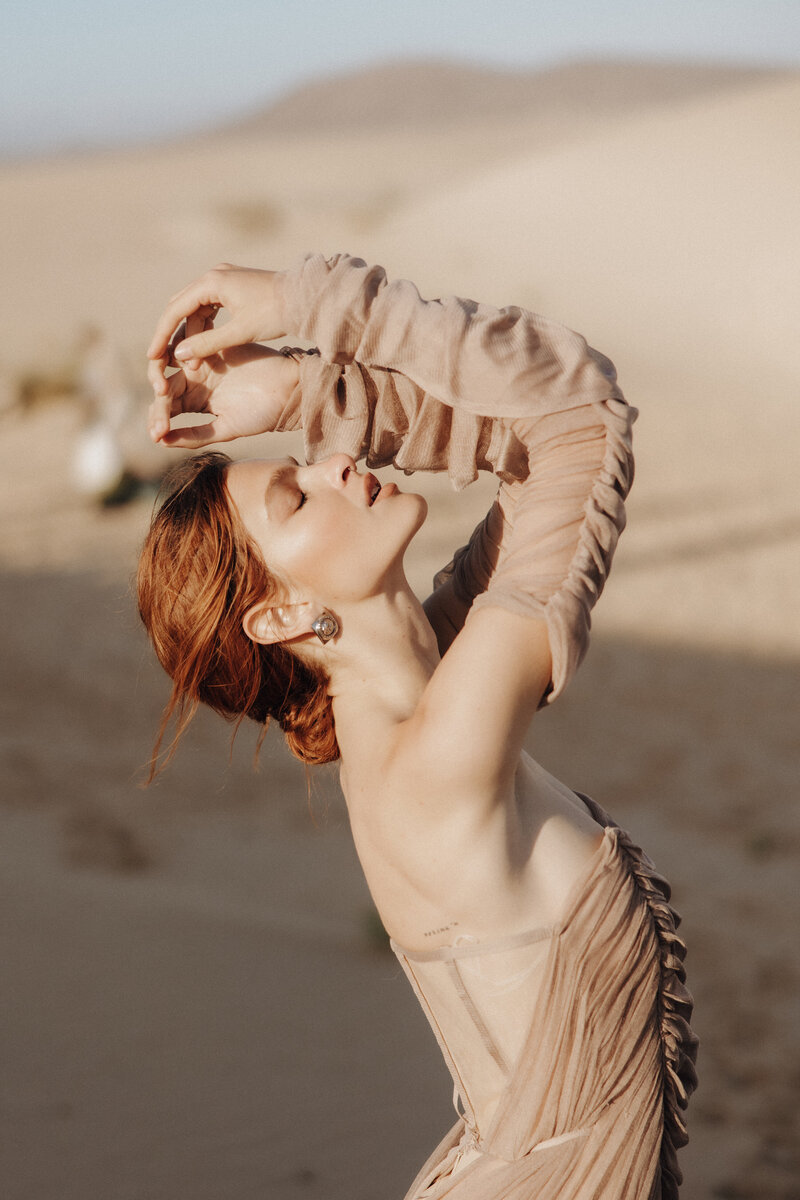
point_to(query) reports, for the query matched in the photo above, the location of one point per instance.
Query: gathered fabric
(451, 385)
(581, 1092)
(570, 1047)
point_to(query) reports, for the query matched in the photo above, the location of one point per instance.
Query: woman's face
(330, 533)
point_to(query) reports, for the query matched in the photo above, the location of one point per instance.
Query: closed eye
(283, 483)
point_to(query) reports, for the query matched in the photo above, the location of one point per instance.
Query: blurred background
(197, 999)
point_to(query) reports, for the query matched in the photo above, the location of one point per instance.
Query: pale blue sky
(95, 71)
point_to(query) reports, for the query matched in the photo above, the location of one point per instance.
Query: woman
(538, 938)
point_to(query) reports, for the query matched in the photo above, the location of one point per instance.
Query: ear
(268, 624)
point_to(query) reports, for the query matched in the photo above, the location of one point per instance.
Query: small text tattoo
(440, 929)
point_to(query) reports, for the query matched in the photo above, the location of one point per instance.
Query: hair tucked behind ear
(198, 575)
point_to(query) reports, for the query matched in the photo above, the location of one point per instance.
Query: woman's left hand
(244, 390)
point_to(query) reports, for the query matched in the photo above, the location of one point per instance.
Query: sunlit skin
(332, 547)
(450, 823)
(320, 527)
(538, 940)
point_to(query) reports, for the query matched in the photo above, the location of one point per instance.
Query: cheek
(324, 553)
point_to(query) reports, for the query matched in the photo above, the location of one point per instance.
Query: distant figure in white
(108, 399)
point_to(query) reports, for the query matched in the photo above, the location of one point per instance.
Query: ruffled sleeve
(458, 386)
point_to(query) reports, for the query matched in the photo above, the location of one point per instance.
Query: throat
(384, 696)
(382, 676)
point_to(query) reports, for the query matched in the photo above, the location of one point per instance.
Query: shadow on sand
(198, 1004)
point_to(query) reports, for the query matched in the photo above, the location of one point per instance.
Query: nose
(337, 469)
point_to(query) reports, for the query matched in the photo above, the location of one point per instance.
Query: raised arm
(450, 384)
(491, 362)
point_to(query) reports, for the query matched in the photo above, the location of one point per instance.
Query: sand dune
(672, 242)
(416, 95)
(677, 231)
(127, 227)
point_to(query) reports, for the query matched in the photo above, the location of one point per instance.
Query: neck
(379, 667)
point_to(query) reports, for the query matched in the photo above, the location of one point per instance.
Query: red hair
(199, 574)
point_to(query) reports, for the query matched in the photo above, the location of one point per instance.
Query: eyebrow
(280, 478)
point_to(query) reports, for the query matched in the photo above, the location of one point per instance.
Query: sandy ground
(195, 998)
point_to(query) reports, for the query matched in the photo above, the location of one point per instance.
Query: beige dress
(569, 1047)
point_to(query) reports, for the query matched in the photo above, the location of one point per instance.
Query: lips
(373, 488)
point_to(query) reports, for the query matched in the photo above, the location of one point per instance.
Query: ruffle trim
(678, 1043)
(381, 416)
(567, 611)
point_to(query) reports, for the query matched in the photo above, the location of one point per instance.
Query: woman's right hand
(244, 389)
(253, 298)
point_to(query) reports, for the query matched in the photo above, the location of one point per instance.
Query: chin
(406, 516)
(419, 507)
(422, 505)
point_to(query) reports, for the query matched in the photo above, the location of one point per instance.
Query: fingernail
(183, 352)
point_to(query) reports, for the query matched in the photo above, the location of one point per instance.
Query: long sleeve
(450, 384)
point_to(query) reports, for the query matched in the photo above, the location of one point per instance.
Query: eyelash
(303, 498)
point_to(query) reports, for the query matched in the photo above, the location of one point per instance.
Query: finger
(158, 416)
(156, 375)
(203, 345)
(177, 338)
(189, 364)
(200, 295)
(193, 324)
(178, 385)
(175, 403)
(193, 437)
(196, 323)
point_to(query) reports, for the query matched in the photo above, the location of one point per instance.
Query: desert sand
(197, 999)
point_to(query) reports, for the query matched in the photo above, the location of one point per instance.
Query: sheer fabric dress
(570, 1047)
